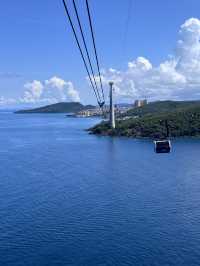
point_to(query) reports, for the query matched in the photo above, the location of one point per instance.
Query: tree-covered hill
(62, 107)
(183, 121)
(162, 107)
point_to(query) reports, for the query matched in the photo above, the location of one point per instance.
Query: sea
(71, 198)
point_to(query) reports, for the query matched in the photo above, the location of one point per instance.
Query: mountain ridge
(61, 107)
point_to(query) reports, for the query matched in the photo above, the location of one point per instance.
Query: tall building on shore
(140, 103)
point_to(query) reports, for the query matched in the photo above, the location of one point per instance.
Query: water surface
(70, 198)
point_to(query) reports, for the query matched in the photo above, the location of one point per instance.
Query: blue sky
(37, 43)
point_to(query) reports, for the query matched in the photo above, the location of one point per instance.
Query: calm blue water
(69, 198)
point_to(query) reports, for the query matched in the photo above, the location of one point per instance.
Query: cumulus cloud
(33, 91)
(49, 91)
(52, 90)
(176, 78)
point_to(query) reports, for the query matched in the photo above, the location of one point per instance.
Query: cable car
(162, 146)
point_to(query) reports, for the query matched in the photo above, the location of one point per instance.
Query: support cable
(81, 52)
(85, 45)
(94, 45)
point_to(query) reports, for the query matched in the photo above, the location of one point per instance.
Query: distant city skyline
(150, 49)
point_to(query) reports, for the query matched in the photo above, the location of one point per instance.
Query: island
(61, 107)
(149, 121)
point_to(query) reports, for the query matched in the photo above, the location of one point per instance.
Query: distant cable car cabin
(162, 146)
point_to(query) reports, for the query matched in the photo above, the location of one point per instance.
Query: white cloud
(50, 91)
(140, 64)
(33, 91)
(176, 78)
(56, 82)
(72, 93)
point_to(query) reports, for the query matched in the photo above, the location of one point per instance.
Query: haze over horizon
(152, 51)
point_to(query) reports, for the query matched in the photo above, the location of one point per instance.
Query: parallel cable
(86, 48)
(96, 55)
(127, 23)
(80, 49)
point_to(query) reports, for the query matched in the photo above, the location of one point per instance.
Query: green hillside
(162, 107)
(183, 120)
(63, 107)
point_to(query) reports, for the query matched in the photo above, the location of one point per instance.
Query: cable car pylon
(112, 108)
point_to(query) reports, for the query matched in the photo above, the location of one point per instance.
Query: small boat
(162, 146)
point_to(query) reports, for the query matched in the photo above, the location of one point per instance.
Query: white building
(140, 103)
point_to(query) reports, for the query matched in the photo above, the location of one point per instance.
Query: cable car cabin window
(162, 146)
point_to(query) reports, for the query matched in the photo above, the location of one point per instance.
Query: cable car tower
(112, 108)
